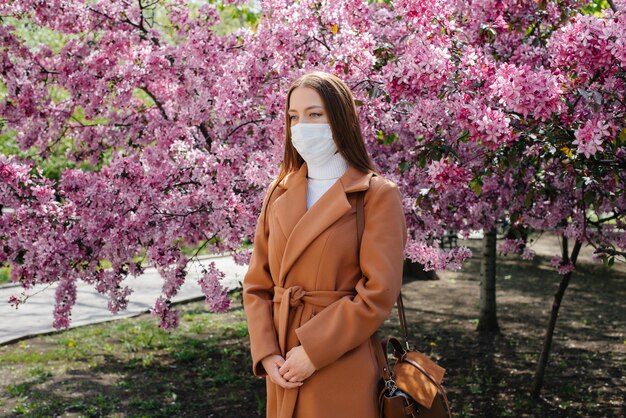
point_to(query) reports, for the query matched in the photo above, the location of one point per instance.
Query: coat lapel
(302, 226)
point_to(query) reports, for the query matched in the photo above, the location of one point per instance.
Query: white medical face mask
(314, 142)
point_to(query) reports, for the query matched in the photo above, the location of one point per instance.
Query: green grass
(5, 275)
(133, 368)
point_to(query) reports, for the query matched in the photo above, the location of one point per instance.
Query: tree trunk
(488, 320)
(558, 297)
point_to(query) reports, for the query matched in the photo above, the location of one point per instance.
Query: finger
(284, 368)
(294, 378)
(280, 361)
(274, 375)
(294, 375)
(290, 385)
(278, 379)
(289, 375)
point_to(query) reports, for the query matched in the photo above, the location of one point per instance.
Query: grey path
(35, 316)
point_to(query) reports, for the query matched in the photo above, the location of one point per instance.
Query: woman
(311, 305)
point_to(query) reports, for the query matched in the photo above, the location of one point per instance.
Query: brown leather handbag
(413, 388)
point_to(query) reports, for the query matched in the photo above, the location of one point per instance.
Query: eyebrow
(310, 107)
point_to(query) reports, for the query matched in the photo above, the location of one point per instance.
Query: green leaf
(608, 260)
(386, 139)
(374, 92)
(528, 199)
(489, 32)
(464, 136)
(389, 139)
(422, 160)
(476, 184)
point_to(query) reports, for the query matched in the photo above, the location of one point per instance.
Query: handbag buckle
(391, 385)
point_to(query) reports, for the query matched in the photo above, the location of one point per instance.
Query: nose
(302, 119)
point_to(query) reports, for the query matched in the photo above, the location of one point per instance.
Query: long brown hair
(342, 118)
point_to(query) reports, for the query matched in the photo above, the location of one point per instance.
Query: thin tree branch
(244, 124)
(205, 133)
(156, 101)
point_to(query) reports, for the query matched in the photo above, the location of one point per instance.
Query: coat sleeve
(348, 322)
(258, 291)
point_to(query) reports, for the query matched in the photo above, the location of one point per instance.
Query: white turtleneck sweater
(321, 177)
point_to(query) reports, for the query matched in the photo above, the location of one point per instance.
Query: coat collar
(301, 226)
(353, 179)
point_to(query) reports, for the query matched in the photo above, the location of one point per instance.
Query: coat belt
(295, 297)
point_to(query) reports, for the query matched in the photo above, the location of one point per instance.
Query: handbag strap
(380, 355)
(360, 226)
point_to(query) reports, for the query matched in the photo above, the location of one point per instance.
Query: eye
(315, 115)
(292, 117)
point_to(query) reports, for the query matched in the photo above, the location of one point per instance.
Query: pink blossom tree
(168, 133)
(527, 125)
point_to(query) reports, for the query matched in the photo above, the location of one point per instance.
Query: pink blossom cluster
(590, 137)
(516, 246)
(423, 67)
(590, 44)
(65, 298)
(561, 266)
(508, 246)
(444, 174)
(168, 317)
(433, 258)
(490, 127)
(216, 295)
(527, 90)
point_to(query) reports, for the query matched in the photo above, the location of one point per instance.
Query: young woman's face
(306, 106)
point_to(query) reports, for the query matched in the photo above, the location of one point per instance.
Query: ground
(491, 376)
(130, 368)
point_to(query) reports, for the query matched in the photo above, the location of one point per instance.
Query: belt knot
(296, 295)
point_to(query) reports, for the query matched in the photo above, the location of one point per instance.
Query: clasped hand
(291, 372)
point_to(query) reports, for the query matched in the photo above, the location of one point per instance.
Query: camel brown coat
(304, 286)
